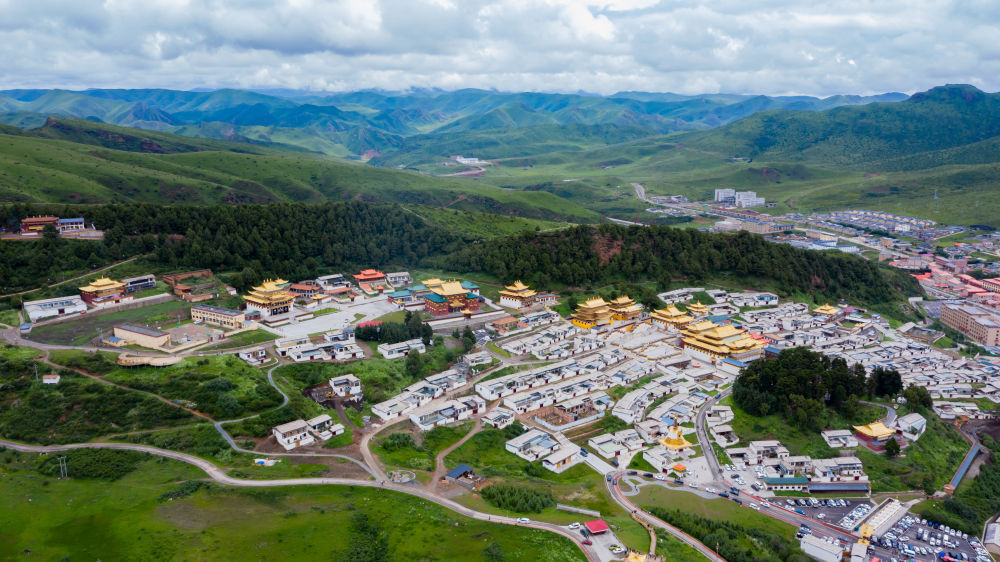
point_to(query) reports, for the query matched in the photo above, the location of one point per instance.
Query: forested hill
(941, 118)
(593, 256)
(246, 243)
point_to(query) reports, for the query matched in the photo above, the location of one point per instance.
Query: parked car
(523, 520)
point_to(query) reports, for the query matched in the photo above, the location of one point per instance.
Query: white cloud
(688, 46)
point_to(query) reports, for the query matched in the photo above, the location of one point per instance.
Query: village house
(450, 411)
(840, 438)
(562, 459)
(293, 434)
(322, 426)
(499, 418)
(401, 349)
(142, 336)
(532, 445)
(346, 386)
(256, 356)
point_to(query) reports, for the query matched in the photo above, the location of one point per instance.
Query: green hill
(85, 162)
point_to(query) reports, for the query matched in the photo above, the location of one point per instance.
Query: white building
(401, 349)
(256, 356)
(51, 308)
(911, 426)
(562, 459)
(51, 379)
(726, 195)
(346, 386)
(610, 445)
(499, 418)
(450, 411)
(293, 434)
(322, 426)
(745, 199)
(532, 445)
(840, 438)
(662, 459)
(819, 549)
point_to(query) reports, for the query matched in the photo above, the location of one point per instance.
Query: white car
(523, 520)
(574, 526)
(660, 476)
(693, 485)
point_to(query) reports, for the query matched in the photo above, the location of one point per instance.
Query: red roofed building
(369, 275)
(36, 224)
(596, 527)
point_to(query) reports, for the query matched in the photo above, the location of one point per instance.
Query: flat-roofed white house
(911, 426)
(322, 426)
(724, 434)
(719, 414)
(450, 411)
(52, 308)
(610, 445)
(662, 459)
(562, 459)
(498, 418)
(398, 405)
(651, 430)
(840, 438)
(532, 445)
(346, 386)
(293, 434)
(401, 349)
(255, 356)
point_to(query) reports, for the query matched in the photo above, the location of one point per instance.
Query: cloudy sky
(687, 46)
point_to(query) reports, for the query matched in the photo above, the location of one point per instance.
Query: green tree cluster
(519, 499)
(588, 256)
(736, 543)
(800, 384)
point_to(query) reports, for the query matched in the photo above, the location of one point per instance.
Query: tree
(891, 448)
(468, 339)
(414, 365)
(917, 397)
(493, 552)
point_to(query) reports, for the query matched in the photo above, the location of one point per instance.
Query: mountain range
(361, 124)
(552, 156)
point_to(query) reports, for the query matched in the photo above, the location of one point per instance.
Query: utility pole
(36, 372)
(63, 468)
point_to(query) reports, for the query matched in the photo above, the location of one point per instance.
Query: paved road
(890, 412)
(640, 191)
(221, 477)
(619, 497)
(705, 440)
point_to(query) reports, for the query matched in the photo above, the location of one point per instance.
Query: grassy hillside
(82, 162)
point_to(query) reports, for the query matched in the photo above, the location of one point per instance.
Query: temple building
(593, 312)
(710, 341)
(37, 224)
(624, 308)
(449, 297)
(104, 291)
(369, 276)
(697, 310)
(670, 316)
(271, 298)
(517, 295)
(826, 310)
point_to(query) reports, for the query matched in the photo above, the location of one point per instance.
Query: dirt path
(440, 470)
(45, 359)
(338, 407)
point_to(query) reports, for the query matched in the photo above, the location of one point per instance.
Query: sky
(601, 46)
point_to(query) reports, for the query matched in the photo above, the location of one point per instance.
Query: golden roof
(623, 300)
(876, 430)
(449, 289)
(270, 292)
(719, 339)
(518, 290)
(697, 308)
(594, 303)
(827, 310)
(675, 440)
(102, 284)
(431, 283)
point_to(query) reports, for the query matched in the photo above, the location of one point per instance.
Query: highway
(216, 474)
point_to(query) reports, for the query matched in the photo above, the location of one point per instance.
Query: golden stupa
(674, 441)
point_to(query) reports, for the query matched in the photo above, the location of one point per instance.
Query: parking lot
(912, 534)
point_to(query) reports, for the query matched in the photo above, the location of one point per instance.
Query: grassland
(242, 339)
(48, 170)
(127, 519)
(81, 331)
(719, 509)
